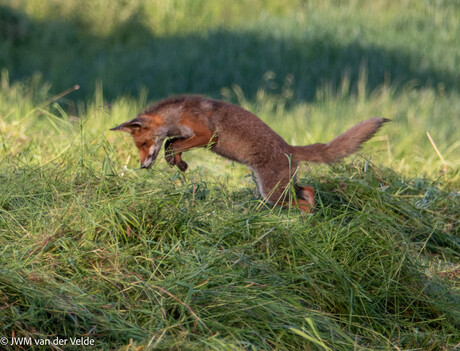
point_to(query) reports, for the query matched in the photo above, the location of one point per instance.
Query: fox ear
(132, 125)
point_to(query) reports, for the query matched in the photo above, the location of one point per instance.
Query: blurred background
(201, 46)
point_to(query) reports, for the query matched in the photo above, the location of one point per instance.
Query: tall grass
(92, 246)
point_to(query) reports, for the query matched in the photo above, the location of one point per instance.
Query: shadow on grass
(130, 58)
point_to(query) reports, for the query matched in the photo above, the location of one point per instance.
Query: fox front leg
(175, 148)
(172, 157)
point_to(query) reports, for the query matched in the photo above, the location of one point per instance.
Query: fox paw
(173, 158)
(175, 161)
(182, 165)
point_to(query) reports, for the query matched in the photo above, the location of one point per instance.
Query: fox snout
(150, 154)
(147, 165)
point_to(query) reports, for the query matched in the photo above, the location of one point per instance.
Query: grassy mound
(131, 258)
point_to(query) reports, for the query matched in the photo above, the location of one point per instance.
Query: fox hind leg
(305, 198)
(275, 190)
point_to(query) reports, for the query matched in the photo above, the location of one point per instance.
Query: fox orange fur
(237, 134)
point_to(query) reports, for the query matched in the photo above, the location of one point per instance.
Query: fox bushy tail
(342, 146)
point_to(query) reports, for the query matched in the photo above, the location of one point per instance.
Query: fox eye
(143, 145)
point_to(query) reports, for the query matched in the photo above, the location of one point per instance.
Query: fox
(190, 121)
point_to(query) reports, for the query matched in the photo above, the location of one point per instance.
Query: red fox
(237, 134)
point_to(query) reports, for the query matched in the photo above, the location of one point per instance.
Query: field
(94, 248)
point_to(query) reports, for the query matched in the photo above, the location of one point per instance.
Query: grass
(93, 247)
(129, 257)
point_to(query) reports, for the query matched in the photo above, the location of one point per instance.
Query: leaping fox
(239, 135)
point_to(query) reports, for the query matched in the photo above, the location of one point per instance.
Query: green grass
(92, 246)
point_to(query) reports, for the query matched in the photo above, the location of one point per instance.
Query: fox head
(148, 134)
